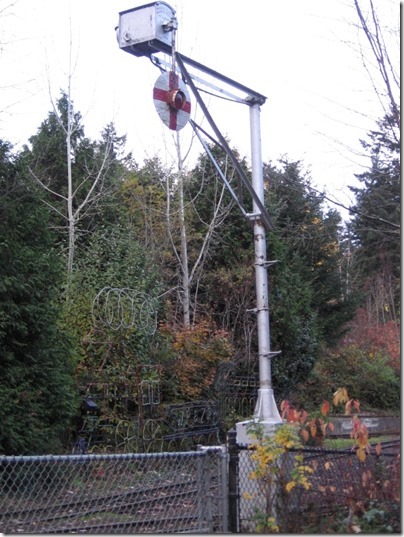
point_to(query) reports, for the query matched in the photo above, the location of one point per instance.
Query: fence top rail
(329, 451)
(16, 459)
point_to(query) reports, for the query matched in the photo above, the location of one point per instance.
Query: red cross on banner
(171, 99)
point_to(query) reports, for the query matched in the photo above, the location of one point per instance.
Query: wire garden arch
(124, 307)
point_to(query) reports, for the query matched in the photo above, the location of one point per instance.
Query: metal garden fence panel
(181, 492)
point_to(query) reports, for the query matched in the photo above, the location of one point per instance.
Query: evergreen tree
(36, 383)
(375, 224)
(312, 245)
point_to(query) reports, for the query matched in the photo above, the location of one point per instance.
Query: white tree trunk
(70, 214)
(188, 275)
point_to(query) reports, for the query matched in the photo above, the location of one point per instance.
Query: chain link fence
(183, 492)
(206, 491)
(341, 491)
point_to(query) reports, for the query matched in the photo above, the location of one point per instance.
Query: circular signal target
(172, 102)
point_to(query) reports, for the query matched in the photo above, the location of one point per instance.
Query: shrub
(366, 375)
(198, 351)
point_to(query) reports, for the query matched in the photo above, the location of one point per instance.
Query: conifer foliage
(36, 387)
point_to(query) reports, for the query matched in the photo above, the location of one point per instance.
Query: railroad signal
(172, 102)
(145, 30)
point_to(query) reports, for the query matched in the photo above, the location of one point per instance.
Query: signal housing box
(145, 30)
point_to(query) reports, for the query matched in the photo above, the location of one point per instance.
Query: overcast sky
(301, 54)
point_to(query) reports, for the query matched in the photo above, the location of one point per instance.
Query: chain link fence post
(233, 482)
(224, 472)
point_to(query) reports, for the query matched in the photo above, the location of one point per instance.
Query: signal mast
(151, 29)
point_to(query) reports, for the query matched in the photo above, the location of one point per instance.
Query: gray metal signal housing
(145, 30)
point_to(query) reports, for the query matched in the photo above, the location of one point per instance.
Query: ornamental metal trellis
(125, 308)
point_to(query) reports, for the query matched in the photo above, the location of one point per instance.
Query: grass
(345, 443)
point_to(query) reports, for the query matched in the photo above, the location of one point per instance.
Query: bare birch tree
(191, 272)
(75, 198)
(79, 197)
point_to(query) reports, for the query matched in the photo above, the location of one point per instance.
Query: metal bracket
(170, 25)
(271, 354)
(254, 216)
(266, 264)
(256, 310)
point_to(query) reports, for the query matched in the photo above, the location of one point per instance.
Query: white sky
(301, 54)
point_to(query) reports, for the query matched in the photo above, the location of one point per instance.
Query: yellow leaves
(253, 475)
(307, 469)
(270, 455)
(263, 456)
(340, 396)
(362, 439)
(289, 486)
(300, 480)
(328, 465)
(269, 525)
(361, 454)
(378, 449)
(286, 437)
(330, 248)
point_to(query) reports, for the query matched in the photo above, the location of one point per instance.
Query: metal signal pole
(144, 31)
(265, 410)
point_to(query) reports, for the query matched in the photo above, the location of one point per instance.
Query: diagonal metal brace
(264, 216)
(216, 165)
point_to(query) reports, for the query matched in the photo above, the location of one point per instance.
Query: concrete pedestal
(266, 414)
(252, 496)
